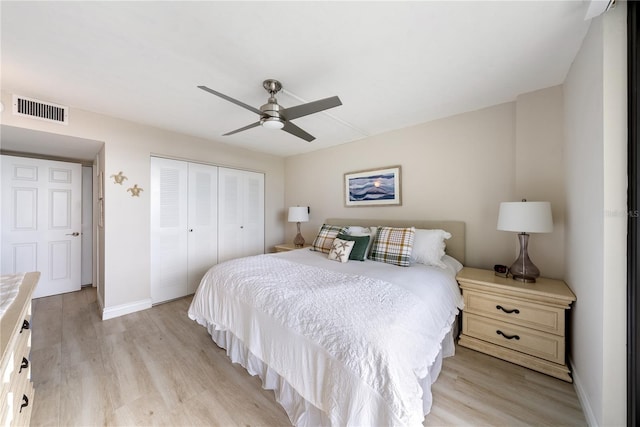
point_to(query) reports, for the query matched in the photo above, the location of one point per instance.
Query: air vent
(36, 109)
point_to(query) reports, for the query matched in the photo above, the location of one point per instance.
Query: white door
(253, 203)
(202, 222)
(241, 210)
(41, 222)
(184, 226)
(168, 229)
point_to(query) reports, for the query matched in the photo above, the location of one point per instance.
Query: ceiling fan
(274, 116)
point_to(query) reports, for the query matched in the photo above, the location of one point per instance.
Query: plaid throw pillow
(393, 245)
(325, 237)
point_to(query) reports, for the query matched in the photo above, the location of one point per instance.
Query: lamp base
(523, 270)
(524, 279)
(298, 241)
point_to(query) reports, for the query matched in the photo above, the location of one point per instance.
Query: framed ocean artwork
(376, 187)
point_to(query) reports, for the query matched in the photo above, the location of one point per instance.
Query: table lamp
(298, 214)
(525, 217)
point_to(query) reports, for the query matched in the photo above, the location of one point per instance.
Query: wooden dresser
(523, 323)
(16, 392)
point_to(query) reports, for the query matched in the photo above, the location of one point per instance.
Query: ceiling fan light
(272, 123)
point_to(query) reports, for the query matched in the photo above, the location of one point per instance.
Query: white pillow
(452, 263)
(356, 230)
(340, 250)
(428, 247)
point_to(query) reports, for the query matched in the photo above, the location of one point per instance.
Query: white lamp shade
(298, 214)
(525, 217)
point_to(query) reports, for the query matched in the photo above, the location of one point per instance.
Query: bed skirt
(300, 411)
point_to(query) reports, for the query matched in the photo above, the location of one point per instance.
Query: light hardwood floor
(157, 367)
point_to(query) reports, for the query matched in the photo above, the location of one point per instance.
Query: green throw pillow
(359, 251)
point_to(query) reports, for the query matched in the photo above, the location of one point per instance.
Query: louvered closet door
(241, 211)
(184, 226)
(202, 223)
(253, 213)
(169, 238)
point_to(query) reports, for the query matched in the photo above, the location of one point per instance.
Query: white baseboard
(582, 397)
(122, 309)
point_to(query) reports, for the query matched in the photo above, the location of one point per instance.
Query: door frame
(633, 236)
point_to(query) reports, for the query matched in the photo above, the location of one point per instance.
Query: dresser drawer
(17, 410)
(22, 351)
(22, 372)
(539, 344)
(530, 315)
(6, 401)
(23, 402)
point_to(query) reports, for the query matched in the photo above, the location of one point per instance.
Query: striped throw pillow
(324, 239)
(393, 245)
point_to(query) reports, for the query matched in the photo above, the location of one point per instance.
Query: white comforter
(352, 339)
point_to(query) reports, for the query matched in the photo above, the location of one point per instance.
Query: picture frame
(373, 187)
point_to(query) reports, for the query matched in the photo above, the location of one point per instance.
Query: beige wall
(128, 147)
(539, 171)
(459, 168)
(596, 181)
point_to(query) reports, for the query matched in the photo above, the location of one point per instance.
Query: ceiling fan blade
(311, 107)
(252, 125)
(296, 131)
(228, 98)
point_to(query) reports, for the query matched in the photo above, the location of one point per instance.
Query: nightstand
(523, 323)
(284, 247)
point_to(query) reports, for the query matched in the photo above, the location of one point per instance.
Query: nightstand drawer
(539, 344)
(530, 315)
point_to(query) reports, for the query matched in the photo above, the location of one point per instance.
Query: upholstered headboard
(455, 245)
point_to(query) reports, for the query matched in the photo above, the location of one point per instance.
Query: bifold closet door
(169, 238)
(183, 226)
(202, 222)
(241, 210)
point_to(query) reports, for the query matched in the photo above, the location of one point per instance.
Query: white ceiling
(393, 64)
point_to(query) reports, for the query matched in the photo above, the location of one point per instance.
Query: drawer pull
(515, 310)
(25, 402)
(25, 325)
(509, 337)
(24, 365)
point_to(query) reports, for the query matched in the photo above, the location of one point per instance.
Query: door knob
(74, 234)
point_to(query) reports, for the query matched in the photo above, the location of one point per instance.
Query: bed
(341, 343)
